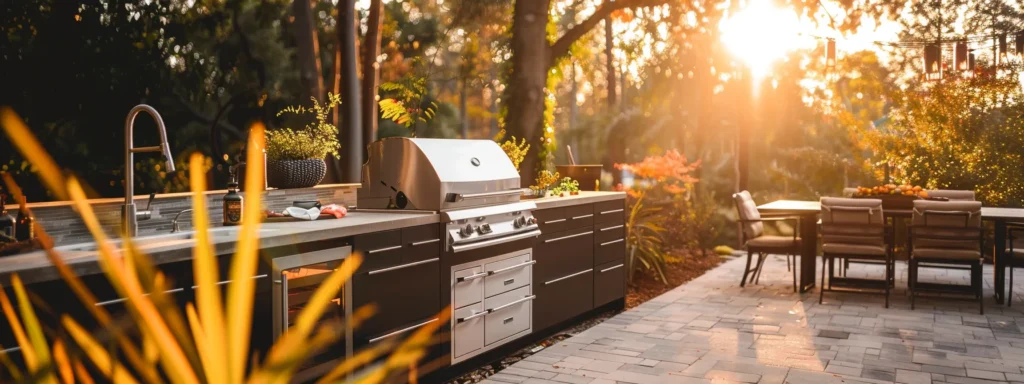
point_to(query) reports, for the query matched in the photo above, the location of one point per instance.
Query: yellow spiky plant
(209, 343)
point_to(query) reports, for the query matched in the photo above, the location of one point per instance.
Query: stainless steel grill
(437, 175)
(488, 257)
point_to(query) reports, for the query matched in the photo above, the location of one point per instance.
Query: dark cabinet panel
(563, 298)
(609, 231)
(609, 211)
(609, 282)
(559, 254)
(610, 251)
(422, 243)
(403, 294)
(579, 216)
(551, 220)
(379, 249)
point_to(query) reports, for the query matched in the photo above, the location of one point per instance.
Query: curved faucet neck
(129, 219)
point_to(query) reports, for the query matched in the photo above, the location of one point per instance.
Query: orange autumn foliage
(671, 170)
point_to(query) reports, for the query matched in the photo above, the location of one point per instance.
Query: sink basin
(153, 241)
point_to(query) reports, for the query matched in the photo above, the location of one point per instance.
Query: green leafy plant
(315, 141)
(567, 185)
(403, 101)
(515, 151)
(645, 227)
(545, 179)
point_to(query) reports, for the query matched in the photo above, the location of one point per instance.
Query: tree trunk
(463, 115)
(609, 42)
(492, 109)
(353, 151)
(371, 72)
(524, 95)
(743, 132)
(574, 108)
(308, 49)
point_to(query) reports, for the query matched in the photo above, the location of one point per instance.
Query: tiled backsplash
(65, 226)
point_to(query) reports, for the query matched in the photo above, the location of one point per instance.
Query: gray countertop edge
(35, 267)
(585, 197)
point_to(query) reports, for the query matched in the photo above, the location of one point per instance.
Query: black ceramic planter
(285, 174)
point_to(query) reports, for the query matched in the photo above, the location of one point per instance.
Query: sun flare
(760, 34)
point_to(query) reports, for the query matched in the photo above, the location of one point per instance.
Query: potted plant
(295, 157)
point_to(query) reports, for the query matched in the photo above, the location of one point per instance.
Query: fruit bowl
(893, 196)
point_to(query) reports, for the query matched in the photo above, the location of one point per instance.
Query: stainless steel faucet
(174, 223)
(129, 216)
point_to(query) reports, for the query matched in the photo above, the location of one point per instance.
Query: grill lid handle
(457, 197)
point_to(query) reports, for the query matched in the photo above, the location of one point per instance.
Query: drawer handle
(611, 268)
(124, 299)
(497, 271)
(500, 307)
(611, 228)
(611, 242)
(568, 277)
(611, 211)
(376, 339)
(471, 277)
(582, 217)
(568, 237)
(554, 221)
(507, 320)
(470, 317)
(418, 243)
(379, 250)
(397, 267)
(257, 277)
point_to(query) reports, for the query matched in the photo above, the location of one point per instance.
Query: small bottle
(7, 222)
(24, 230)
(232, 205)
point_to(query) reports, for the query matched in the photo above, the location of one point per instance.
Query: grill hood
(436, 175)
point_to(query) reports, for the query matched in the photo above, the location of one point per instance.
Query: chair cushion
(747, 210)
(1016, 252)
(952, 194)
(773, 242)
(854, 249)
(946, 254)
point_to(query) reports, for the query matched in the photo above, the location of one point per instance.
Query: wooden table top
(804, 207)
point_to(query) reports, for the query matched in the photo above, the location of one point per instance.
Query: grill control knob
(531, 221)
(518, 222)
(467, 230)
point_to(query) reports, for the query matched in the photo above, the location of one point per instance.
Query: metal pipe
(129, 218)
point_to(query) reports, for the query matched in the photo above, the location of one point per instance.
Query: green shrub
(315, 141)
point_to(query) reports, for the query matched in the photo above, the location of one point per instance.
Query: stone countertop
(585, 197)
(35, 267)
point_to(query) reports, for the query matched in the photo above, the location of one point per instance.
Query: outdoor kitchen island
(576, 270)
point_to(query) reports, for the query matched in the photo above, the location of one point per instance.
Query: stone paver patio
(711, 330)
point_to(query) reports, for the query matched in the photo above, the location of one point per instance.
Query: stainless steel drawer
(508, 274)
(468, 330)
(467, 287)
(508, 314)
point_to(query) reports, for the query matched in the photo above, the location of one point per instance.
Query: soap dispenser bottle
(233, 205)
(7, 223)
(25, 227)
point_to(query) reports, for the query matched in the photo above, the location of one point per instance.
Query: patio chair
(952, 194)
(946, 235)
(854, 229)
(1015, 231)
(755, 241)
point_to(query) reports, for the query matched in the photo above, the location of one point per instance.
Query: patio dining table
(808, 212)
